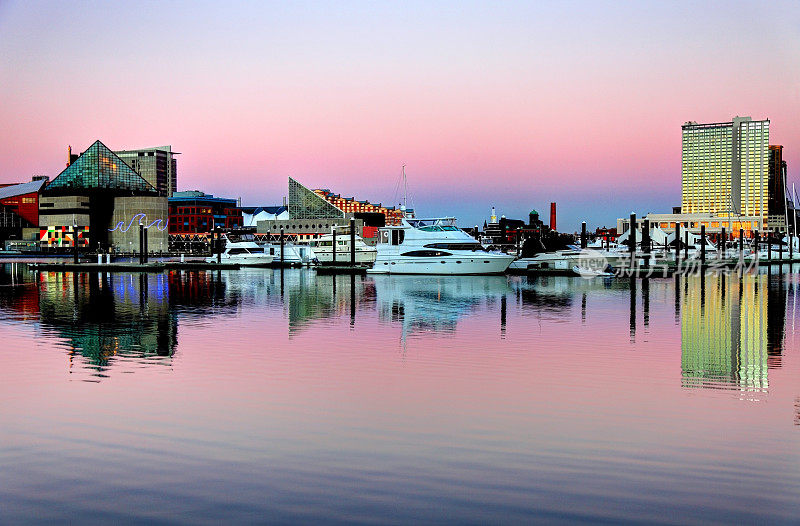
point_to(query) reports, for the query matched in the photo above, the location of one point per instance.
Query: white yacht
(591, 259)
(293, 255)
(434, 246)
(245, 253)
(323, 249)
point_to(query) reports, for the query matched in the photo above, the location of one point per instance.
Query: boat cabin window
(456, 246)
(237, 251)
(426, 253)
(397, 237)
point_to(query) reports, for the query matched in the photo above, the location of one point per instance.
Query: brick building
(195, 212)
(350, 205)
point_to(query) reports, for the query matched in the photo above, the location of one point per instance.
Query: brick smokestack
(552, 216)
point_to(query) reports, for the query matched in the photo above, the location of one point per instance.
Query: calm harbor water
(268, 396)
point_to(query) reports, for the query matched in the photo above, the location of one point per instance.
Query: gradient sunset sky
(491, 103)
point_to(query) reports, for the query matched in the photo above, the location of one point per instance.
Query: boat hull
(444, 265)
(245, 261)
(363, 257)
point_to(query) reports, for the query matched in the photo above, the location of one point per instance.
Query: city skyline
(508, 105)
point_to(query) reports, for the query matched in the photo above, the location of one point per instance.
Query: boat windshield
(439, 228)
(438, 224)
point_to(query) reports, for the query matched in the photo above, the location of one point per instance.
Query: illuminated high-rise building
(725, 168)
(157, 165)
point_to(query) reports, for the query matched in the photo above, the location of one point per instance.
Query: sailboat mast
(405, 189)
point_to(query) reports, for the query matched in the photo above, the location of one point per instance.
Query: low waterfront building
(195, 212)
(251, 215)
(19, 213)
(307, 229)
(194, 215)
(97, 202)
(693, 223)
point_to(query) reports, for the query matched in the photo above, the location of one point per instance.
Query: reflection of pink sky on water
(558, 401)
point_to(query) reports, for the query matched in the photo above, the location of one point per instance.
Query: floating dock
(158, 266)
(342, 269)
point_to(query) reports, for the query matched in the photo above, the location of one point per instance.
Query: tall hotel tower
(725, 169)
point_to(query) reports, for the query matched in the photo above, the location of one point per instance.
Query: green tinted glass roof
(100, 168)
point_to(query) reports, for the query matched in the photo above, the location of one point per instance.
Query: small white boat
(293, 255)
(565, 260)
(245, 253)
(324, 251)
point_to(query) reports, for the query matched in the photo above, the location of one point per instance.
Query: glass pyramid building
(98, 168)
(305, 204)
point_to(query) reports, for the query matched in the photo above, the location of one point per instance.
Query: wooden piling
(141, 243)
(632, 236)
(282, 244)
(353, 241)
(583, 235)
(702, 244)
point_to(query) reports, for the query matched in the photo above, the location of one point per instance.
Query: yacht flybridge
(434, 246)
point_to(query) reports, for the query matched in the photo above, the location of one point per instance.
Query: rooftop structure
(307, 204)
(98, 168)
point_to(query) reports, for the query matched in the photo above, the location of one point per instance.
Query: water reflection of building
(731, 330)
(108, 317)
(302, 294)
(19, 296)
(326, 296)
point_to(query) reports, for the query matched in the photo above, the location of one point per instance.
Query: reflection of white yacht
(434, 246)
(294, 255)
(246, 253)
(323, 249)
(425, 304)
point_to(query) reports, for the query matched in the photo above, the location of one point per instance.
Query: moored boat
(244, 253)
(434, 246)
(326, 254)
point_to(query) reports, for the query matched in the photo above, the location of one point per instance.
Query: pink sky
(512, 105)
